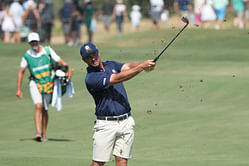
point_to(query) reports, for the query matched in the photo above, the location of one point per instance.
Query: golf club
(185, 20)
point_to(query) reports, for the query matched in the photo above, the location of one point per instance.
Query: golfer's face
(34, 45)
(93, 59)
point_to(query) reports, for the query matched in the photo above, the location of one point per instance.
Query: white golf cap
(33, 36)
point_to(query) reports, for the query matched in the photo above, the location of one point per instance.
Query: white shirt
(120, 9)
(156, 5)
(198, 5)
(17, 11)
(34, 54)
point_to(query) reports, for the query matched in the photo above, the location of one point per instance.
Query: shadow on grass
(49, 139)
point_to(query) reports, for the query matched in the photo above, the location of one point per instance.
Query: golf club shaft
(158, 56)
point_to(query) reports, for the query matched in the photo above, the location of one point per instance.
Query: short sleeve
(23, 63)
(53, 54)
(118, 66)
(97, 81)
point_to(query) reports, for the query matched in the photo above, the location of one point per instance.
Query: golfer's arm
(125, 75)
(131, 65)
(19, 78)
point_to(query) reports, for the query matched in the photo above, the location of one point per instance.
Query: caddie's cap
(33, 36)
(88, 49)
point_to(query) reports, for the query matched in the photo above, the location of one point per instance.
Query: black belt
(114, 118)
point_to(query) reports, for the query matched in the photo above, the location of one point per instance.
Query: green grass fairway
(192, 110)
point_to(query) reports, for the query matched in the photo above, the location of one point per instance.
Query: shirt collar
(95, 69)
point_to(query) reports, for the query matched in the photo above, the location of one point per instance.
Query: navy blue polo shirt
(109, 100)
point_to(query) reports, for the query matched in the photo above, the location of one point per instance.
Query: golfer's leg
(95, 163)
(44, 122)
(120, 161)
(38, 118)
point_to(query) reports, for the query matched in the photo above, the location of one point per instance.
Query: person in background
(220, 11)
(107, 9)
(119, 14)
(246, 14)
(114, 125)
(38, 60)
(65, 15)
(157, 7)
(207, 13)
(31, 17)
(90, 14)
(238, 6)
(185, 9)
(1, 21)
(197, 10)
(8, 25)
(17, 10)
(135, 16)
(75, 20)
(47, 20)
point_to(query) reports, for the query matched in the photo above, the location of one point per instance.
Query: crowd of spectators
(20, 17)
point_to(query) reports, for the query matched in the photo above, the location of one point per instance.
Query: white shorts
(37, 97)
(116, 136)
(34, 93)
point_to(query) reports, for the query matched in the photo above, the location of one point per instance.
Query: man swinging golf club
(114, 127)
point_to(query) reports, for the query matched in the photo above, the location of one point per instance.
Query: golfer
(38, 60)
(114, 127)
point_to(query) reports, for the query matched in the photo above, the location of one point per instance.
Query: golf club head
(185, 20)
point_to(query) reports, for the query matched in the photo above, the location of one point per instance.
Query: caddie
(38, 60)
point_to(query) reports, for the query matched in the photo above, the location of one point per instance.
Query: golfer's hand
(148, 65)
(19, 94)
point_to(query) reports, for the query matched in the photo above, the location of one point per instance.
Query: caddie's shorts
(116, 136)
(36, 96)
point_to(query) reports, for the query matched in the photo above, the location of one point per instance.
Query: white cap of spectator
(31, 3)
(33, 36)
(87, 1)
(135, 8)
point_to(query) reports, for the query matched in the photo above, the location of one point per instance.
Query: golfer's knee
(95, 163)
(120, 161)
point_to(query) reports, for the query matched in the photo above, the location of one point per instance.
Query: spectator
(207, 13)
(90, 12)
(239, 9)
(220, 11)
(79, 8)
(156, 10)
(75, 20)
(246, 4)
(119, 13)
(8, 25)
(197, 10)
(107, 9)
(17, 11)
(47, 19)
(184, 7)
(1, 21)
(31, 17)
(135, 17)
(65, 14)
